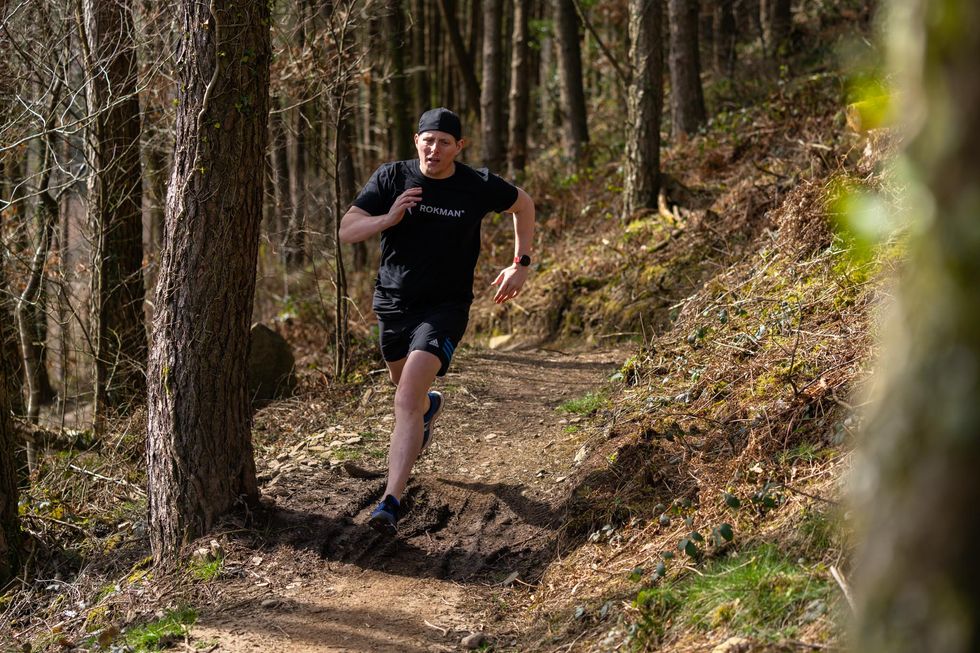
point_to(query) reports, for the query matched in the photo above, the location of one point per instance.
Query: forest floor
(485, 505)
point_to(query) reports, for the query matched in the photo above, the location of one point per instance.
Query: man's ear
(462, 144)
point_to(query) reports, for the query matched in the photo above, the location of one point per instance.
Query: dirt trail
(313, 577)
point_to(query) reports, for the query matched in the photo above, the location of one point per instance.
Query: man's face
(437, 151)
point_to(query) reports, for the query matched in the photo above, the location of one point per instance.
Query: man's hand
(509, 282)
(405, 201)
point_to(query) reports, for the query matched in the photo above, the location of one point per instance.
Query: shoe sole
(432, 422)
(383, 526)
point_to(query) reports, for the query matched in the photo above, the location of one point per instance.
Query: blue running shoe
(384, 519)
(428, 420)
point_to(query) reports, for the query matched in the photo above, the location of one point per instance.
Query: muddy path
(484, 508)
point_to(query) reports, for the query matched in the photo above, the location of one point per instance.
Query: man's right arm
(357, 224)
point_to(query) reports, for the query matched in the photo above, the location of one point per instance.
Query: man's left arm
(511, 279)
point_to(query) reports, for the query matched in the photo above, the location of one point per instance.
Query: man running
(428, 212)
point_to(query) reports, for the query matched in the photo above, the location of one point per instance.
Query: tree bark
(723, 50)
(520, 88)
(280, 175)
(575, 129)
(420, 76)
(27, 313)
(298, 137)
(462, 59)
(10, 357)
(399, 104)
(115, 207)
(644, 104)
(686, 97)
(199, 452)
(777, 21)
(919, 582)
(157, 172)
(10, 536)
(491, 107)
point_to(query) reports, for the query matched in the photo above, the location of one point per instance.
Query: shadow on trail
(520, 359)
(452, 530)
(530, 511)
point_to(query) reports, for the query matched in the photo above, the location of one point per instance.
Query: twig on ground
(815, 497)
(844, 587)
(442, 630)
(117, 481)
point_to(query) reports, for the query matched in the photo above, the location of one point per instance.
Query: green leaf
(726, 531)
(696, 536)
(692, 550)
(732, 501)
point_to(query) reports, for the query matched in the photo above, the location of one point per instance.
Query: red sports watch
(523, 260)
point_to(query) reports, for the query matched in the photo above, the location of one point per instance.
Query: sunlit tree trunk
(919, 581)
(115, 207)
(644, 105)
(520, 87)
(199, 452)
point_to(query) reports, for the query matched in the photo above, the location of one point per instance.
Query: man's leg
(414, 376)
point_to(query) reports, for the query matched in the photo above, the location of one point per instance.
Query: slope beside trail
(485, 504)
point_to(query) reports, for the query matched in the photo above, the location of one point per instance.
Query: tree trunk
(777, 21)
(397, 39)
(919, 582)
(115, 207)
(420, 76)
(491, 106)
(157, 172)
(641, 176)
(280, 176)
(10, 358)
(10, 535)
(546, 91)
(199, 452)
(10, 538)
(520, 87)
(575, 129)
(463, 61)
(723, 58)
(27, 313)
(294, 245)
(686, 97)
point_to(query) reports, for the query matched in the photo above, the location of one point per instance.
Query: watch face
(524, 260)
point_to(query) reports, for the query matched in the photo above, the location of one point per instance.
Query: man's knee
(408, 402)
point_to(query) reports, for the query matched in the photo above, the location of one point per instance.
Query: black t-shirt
(429, 257)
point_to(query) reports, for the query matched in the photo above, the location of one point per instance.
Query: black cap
(441, 120)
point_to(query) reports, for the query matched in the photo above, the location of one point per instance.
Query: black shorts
(437, 331)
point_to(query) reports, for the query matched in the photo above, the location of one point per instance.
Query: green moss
(586, 405)
(160, 634)
(761, 593)
(207, 570)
